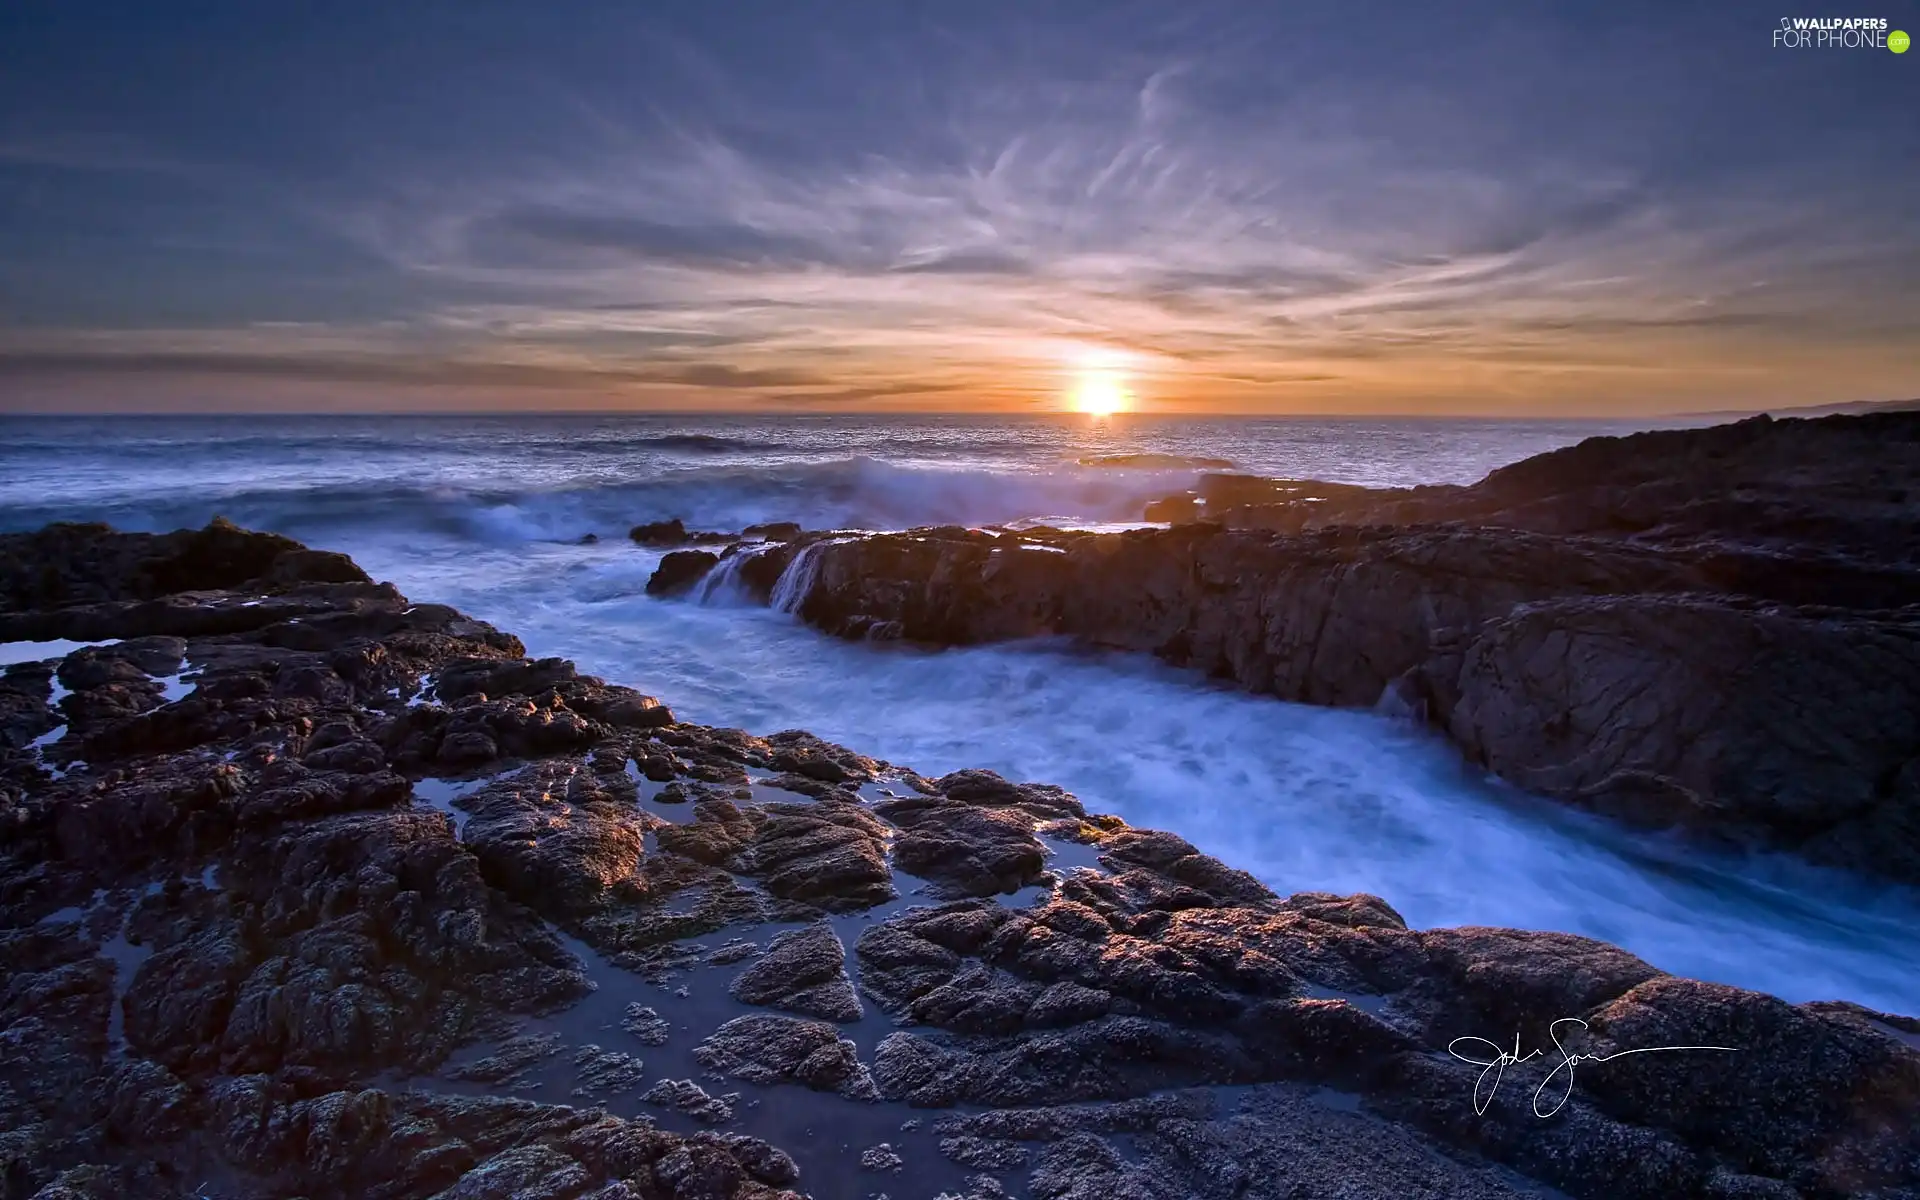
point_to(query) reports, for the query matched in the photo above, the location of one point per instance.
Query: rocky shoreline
(310, 890)
(1712, 629)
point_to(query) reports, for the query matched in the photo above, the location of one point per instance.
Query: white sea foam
(790, 591)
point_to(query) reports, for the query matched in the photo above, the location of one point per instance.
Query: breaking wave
(852, 493)
(1160, 462)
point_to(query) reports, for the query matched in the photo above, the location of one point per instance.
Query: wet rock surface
(1636, 625)
(323, 893)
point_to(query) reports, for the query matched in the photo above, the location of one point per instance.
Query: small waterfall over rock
(722, 583)
(797, 580)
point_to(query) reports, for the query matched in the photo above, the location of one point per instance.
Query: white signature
(1496, 1067)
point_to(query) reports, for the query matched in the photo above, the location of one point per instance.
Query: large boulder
(679, 571)
(1797, 728)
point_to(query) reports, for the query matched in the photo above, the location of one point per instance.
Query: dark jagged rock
(648, 1027)
(679, 571)
(802, 971)
(831, 852)
(773, 531)
(975, 835)
(511, 1064)
(766, 1049)
(684, 1095)
(295, 932)
(659, 533)
(64, 566)
(1843, 482)
(673, 533)
(555, 834)
(602, 1071)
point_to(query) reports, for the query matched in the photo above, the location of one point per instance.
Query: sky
(1342, 207)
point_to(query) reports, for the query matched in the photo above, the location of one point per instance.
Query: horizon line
(1842, 408)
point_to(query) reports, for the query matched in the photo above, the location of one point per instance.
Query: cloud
(817, 210)
(339, 367)
(858, 395)
(966, 262)
(314, 367)
(547, 236)
(718, 375)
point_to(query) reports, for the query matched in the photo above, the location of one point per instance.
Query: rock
(770, 1050)
(688, 1097)
(970, 851)
(679, 571)
(63, 566)
(1173, 510)
(1781, 1100)
(831, 852)
(554, 837)
(980, 1187)
(672, 533)
(803, 971)
(734, 951)
(512, 1063)
(773, 531)
(1679, 711)
(1276, 1141)
(801, 753)
(659, 533)
(603, 1071)
(420, 1144)
(636, 712)
(646, 1025)
(984, 1154)
(1842, 483)
(1329, 618)
(988, 588)
(760, 570)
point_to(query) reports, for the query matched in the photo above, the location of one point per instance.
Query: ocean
(488, 513)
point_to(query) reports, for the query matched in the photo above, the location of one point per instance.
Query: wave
(1160, 462)
(696, 443)
(849, 493)
(399, 443)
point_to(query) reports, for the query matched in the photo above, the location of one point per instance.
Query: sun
(1099, 393)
